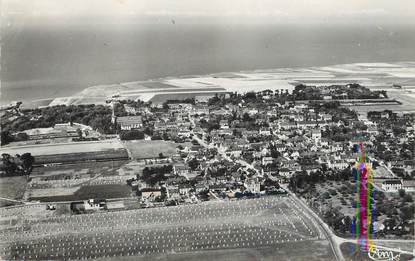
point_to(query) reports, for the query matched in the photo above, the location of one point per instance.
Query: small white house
(392, 185)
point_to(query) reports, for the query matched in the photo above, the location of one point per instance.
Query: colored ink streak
(362, 224)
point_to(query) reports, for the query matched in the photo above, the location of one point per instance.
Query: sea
(49, 61)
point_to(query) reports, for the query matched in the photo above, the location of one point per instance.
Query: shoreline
(373, 75)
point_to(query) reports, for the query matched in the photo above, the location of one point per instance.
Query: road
(12, 200)
(332, 238)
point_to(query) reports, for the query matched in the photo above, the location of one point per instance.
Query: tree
(401, 193)
(79, 132)
(9, 166)
(27, 162)
(6, 137)
(407, 212)
(21, 136)
(246, 117)
(194, 164)
(407, 198)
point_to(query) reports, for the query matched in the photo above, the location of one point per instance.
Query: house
(338, 164)
(265, 131)
(324, 142)
(310, 168)
(129, 109)
(173, 191)
(94, 204)
(408, 185)
(280, 147)
(150, 193)
(130, 122)
(184, 133)
(184, 189)
(286, 172)
(251, 111)
(224, 124)
(199, 187)
(180, 106)
(234, 151)
(267, 160)
(160, 126)
(181, 169)
(253, 186)
(203, 98)
(392, 185)
(218, 187)
(316, 134)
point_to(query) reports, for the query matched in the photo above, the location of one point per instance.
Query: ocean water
(51, 61)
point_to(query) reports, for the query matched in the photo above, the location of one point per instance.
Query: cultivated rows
(215, 225)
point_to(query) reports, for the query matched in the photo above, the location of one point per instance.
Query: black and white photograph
(226, 130)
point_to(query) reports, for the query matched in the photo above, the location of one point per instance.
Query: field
(81, 193)
(82, 180)
(64, 148)
(81, 169)
(144, 149)
(267, 227)
(108, 155)
(12, 188)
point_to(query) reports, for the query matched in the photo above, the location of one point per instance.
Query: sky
(268, 11)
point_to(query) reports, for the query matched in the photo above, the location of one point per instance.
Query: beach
(376, 76)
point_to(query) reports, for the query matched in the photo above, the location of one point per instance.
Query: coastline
(373, 75)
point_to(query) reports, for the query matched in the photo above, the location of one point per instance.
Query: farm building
(130, 122)
(392, 185)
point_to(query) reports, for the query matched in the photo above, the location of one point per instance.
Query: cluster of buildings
(242, 147)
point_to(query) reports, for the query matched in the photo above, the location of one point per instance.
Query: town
(129, 155)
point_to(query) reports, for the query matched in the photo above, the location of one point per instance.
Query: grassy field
(12, 187)
(144, 149)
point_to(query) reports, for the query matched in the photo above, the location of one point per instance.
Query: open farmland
(145, 149)
(12, 188)
(108, 155)
(266, 227)
(81, 193)
(72, 152)
(64, 148)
